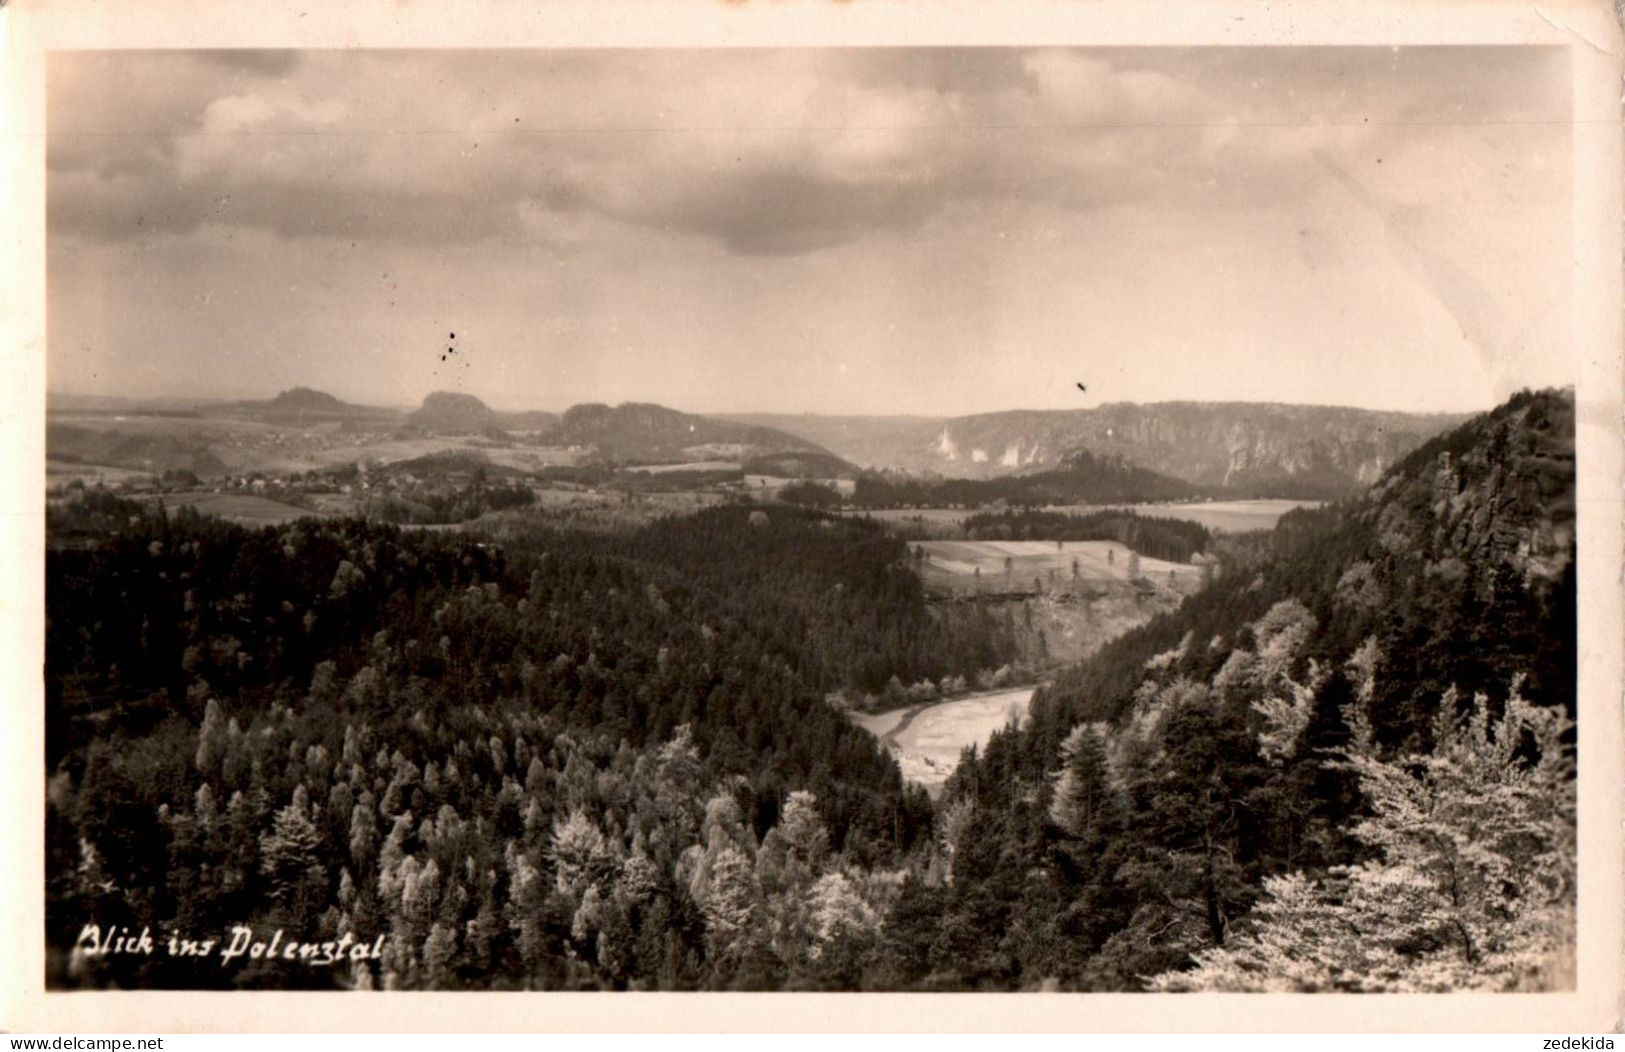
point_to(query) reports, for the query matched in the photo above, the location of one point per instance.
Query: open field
(61, 473)
(697, 466)
(769, 485)
(1057, 566)
(927, 740)
(238, 507)
(1222, 516)
(199, 426)
(246, 446)
(389, 450)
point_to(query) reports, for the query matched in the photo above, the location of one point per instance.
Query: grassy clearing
(62, 472)
(1013, 566)
(239, 507)
(1221, 516)
(696, 466)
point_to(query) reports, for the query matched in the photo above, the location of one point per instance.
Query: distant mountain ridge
(1249, 448)
(1229, 449)
(309, 398)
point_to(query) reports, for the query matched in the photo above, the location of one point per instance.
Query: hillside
(305, 405)
(1299, 716)
(1250, 449)
(455, 413)
(449, 412)
(1080, 477)
(308, 398)
(566, 758)
(800, 464)
(872, 442)
(1474, 519)
(635, 431)
(156, 453)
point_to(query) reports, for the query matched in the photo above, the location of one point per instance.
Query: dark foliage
(1171, 539)
(1083, 478)
(567, 760)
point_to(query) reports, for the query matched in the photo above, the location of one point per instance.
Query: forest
(1172, 539)
(542, 758)
(1081, 478)
(433, 505)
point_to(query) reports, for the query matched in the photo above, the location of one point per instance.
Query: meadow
(1220, 516)
(693, 467)
(63, 473)
(1013, 566)
(239, 507)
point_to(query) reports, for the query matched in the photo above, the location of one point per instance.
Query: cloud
(759, 152)
(262, 61)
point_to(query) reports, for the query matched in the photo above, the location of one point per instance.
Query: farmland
(1004, 567)
(239, 507)
(62, 473)
(1221, 516)
(693, 467)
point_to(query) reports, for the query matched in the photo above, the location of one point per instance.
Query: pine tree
(290, 854)
(211, 744)
(1085, 796)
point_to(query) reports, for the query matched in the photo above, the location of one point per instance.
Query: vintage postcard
(1000, 521)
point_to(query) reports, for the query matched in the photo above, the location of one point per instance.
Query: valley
(309, 450)
(1034, 730)
(839, 512)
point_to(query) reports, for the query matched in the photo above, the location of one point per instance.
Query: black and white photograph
(922, 518)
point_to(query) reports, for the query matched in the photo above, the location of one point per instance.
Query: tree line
(1173, 540)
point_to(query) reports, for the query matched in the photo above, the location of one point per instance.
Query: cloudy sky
(923, 231)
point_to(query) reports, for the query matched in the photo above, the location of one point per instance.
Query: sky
(879, 231)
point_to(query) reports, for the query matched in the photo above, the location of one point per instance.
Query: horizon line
(228, 399)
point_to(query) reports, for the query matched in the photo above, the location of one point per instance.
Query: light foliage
(1472, 887)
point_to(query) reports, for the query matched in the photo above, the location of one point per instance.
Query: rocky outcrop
(642, 431)
(1494, 495)
(1251, 448)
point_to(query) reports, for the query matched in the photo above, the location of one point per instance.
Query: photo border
(1589, 31)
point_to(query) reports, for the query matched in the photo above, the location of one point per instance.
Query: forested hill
(1186, 797)
(640, 431)
(1080, 478)
(1474, 524)
(523, 756)
(1248, 449)
(534, 758)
